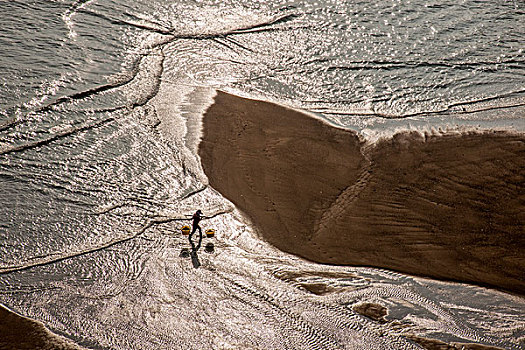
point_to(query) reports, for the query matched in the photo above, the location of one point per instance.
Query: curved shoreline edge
(448, 206)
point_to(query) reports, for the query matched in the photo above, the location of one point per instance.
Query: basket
(185, 230)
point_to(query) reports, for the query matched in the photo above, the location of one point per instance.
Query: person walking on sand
(197, 217)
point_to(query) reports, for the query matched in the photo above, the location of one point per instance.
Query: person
(197, 217)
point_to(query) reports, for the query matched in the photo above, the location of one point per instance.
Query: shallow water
(99, 126)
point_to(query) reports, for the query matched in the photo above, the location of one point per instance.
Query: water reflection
(209, 248)
(184, 253)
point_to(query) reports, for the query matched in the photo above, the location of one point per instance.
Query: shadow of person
(193, 254)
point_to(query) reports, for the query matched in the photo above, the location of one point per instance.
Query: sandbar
(446, 206)
(19, 333)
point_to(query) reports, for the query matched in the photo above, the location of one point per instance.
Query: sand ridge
(446, 206)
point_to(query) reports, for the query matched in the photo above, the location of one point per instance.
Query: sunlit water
(100, 104)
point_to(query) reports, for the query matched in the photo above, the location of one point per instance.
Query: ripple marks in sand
(311, 338)
(316, 323)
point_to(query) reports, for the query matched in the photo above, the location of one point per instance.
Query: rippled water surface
(99, 124)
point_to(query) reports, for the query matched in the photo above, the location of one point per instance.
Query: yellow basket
(185, 230)
(210, 233)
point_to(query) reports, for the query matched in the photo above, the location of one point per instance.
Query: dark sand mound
(20, 333)
(450, 207)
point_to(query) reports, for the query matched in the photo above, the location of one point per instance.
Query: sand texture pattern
(445, 206)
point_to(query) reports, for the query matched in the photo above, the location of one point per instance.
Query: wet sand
(434, 344)
(445, 206)
(20, 333)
